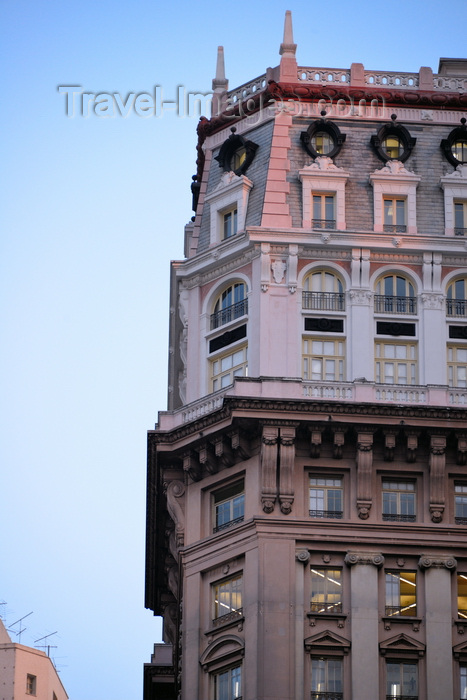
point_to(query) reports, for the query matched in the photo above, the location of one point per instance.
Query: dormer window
(322, 138)
(455, 146)
(393, 142)
(236, 154)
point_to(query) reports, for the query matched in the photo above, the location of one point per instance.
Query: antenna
(46, 646)
(21, 628)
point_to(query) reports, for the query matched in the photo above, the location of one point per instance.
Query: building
(307, 488)
(26, 672)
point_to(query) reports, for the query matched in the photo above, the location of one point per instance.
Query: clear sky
(92, 210)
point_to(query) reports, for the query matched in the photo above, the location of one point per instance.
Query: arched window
(456, 298)
(395, 294)
(323, 291)
(231, 304)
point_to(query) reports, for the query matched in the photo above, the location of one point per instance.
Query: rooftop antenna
(2, 616)
(21, 628)
(46, 646)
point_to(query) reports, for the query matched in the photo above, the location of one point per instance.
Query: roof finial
(220, 84)
(288, 65)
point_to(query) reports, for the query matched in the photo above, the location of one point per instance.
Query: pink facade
(307, 488)
(27, 673)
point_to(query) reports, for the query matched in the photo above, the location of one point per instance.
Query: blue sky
(92, 211)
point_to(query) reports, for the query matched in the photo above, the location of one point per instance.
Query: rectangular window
(463, 682)
(225, 368)
(401, 681)
(229, 506)
(462, 596)
(230, 223)
(325, 497)
(401, 593)
(227, 600)
(460, 218)
(326, 590)
(399, 501)
(323, 360)
(457, 366)
(228, 684)
(396, 363)
(394, 215)
(460, 503)
(323, 211)
(31, 682)
(326, 679)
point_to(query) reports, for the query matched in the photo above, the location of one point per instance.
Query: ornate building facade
(307, 488)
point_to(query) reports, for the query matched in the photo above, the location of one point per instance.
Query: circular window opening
(322, 142)
(459, 150)
(393, 147)
(238, 158)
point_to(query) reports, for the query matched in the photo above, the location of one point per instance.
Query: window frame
(320, 297)
(398, 362)
(229, 224)
(395, 303)
(319, 693)
(455, 302)
(398, 483)
(325, 513)
(392, 221)
(459, 484)
(237, 488)
(454, 187)
(323, 177)
(402, 610)
(314, 356)
(396, 131)
(31, 684)
(227, 671)
(401, 695)
(327, 576)
(323, 221)
(219, 375)
(455, 366)
(393, 181)
(234, 613)
(223, 315)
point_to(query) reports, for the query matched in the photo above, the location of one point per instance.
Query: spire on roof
(288, 65)
(220, 83)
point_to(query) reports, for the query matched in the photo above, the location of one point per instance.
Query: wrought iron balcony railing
(335, 514)
(399, 517)
(325, 695)
(456, 307)
(229, 523)
(323, 223)
(396, 610)
(230, 313)
(326, 607)
(401, 697)
(228, 617)
(323, 301)
(394, 228)
(388, 304)
(460, 231)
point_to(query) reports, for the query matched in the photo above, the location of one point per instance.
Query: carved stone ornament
(303, 556)
(429, 562)
(268, 505)
(431, 300)
(352, 558)
(278, 268)
(363, 510)
(286, 504)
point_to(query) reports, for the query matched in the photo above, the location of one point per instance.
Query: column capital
(437, 562)
(374, 558)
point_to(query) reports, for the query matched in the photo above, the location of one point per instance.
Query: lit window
(227, 600)
(401, 593)
(230, 305)
(396, 363)
(326, 679)
(230, 223)
(463, 682)
(31, 682)
(323, 360)
(456, 298)
(229, 506)
(457, 366)
(325, 497)
(460, 503)
(225, 368)
(326, 590)
(462, 596)
(399, 501)
(401, 681)
(323, 291)
(392, 147)
(460, 218)
(459, 150)
(322, 142)
(228, 684)
(394, 215)
(323, 211)
(238, 159)
(395, 295)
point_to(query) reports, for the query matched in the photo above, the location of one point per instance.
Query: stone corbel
(176, 506)
(461, 449)
(286, 461)
(437, 476)
(364, 471)
(239, 445)
(412, 445)
(339, 438)
(265, 266)
(207, 458)
(269, 455)
(389, 445)
(191, 466)
(223, 452)
(292, 271)
(315, 441)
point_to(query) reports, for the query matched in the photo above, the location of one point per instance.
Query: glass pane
(400, 212)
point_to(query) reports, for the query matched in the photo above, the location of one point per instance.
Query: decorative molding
(286, 461)
(303, 556)
(175, 491)
(437, 476)
(433, 301)
(373, 558)
(269, 456)
(364, 472)
(437, 562)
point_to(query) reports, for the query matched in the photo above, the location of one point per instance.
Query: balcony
(456, 307)
(335, 514)
(323, 224)
(387, 304)
(398, 518)
(323, 301)
(230, 313)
